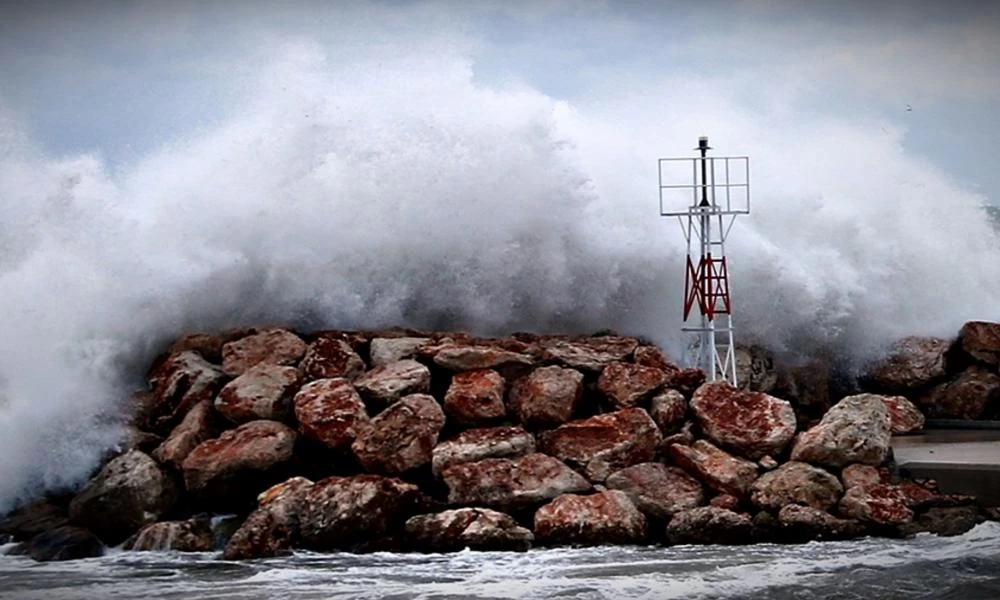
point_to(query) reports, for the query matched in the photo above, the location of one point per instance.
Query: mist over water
(360, 192)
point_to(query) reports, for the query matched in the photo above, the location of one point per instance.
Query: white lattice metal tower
(706, 194)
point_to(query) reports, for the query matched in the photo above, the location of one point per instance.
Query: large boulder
(805, 523)
(329, 357)
(402, 437)
(274, 528)
(589, 354)
(855, 430)
(505, 483)
(603, 444)
(461, 357)
(331, 412)
(64, 543)
(881, 504)
(29, 520)
(627, 384)
(547, 397)
(479, 444)
(752, 424)
(180, 382)
(970, 396)
(912, 363)
(386, 384)
(192, 535)
(199, 425)
(717, 469)
(904, 416)
(599, 519)
(129, 492)
(475, 397)
(270, 346)
(344, 512)
(264, 391)
(651, 356)
(796, 483)
(948, 521)
(472, 528)
(657, 490)
(669, 411)
(981, 341)
(383, 351)
(709, 525)
(229, 471)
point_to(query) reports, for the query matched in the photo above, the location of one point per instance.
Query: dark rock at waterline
(64, 543)
(804, 523)
(604, 518)
(275, 527)
(32, 519)
(342, 512)
(948, 521)
(709, 525)
(796, 483)
(129, 492)
(191, 535)
(472, 528)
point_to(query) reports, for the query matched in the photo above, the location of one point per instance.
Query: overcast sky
(122, 78)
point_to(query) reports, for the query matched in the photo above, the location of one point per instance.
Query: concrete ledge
(961, 461)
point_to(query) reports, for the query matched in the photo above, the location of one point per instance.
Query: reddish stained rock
(208, 346)
(475, 397)
(473, 528)
(651, 356)
(981, 341)
(595, 520)
(862, 475)
(912, 363)
(726, 501)
(588, 354)
(470, 357)
(882, 504)
(228, 471)
(966, 397)
(384, 351)
(796, 483)
(804, 523)
(342, 512)
(386, 384)
(856, 429)
(402, 437)
(604, 444)
(264, 391)
(715, 468)
(178, 383)
(668, 410)
(657, 490)
(626, 384)
(274, 528)
(752, 424)
(709, 525)
(547, 397)
(917, 496)
(478, 444)
(904, 417)
(686, 381)
(129, 492)
(199, 425)
(192, 535)
(270, 346)
(331, 412)
(511, 483)
(329, 357)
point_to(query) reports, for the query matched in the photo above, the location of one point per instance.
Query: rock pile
(413, 441)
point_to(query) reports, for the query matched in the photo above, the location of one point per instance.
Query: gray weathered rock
(657, 490)
(855, 430)
(604, 518)
(478, 444)
(473, 528)
(796, 483)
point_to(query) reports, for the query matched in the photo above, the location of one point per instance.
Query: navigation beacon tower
(706, 194)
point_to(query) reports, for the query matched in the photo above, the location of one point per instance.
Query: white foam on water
(386, 184)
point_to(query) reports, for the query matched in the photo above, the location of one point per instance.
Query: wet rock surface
(192, 535)
(709, 525)
(603, 518)
(472, 528)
